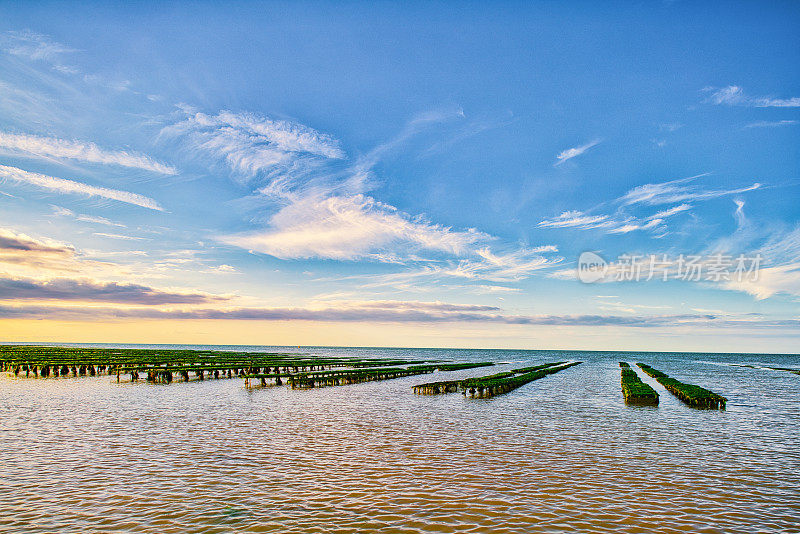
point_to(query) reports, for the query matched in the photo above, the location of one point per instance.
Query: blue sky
(421, 174)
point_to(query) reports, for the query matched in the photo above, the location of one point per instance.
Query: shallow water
(559, 454)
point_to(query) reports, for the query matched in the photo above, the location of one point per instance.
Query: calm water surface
(559, 454)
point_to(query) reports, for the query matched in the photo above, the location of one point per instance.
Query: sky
(402, 174)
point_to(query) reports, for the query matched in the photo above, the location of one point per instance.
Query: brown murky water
(559, 454)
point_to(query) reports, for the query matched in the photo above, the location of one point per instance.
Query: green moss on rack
(634, 391)
(694, 396)
(164, 366)
(496, 384)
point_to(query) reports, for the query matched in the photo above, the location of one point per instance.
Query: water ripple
(560, 454)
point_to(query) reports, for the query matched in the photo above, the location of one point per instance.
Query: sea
(561, 454)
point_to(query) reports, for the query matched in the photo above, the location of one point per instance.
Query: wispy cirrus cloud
(778, 279)
(616, 224)
(53, 147)
(87, 290)
(94, 219)
(577, 219)
(771, 124)
(669, 212)
(494, 289)
(119, 236)
(779, 253)
(570, 153)
(769, 260)
(415, 126)
(681, 191)
(61, 185)
(508, 266)
(248, 143)
(483, 266)
(733, 95)
(678, 191)
(32, 45)
(670, 127)
(770, 279)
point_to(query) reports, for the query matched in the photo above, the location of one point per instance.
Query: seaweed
(495, 384)
(634, 391)
(694, 396)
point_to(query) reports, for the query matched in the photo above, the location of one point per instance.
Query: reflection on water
(559, 454)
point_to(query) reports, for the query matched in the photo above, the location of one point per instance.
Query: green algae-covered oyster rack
(493, 385)
(177, 365)
(303, 371)
(166, 365)
(694, 396)
(311, 379)
(634, 391)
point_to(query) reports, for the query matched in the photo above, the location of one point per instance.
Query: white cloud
(770, 281)
(616, 224)
(508, 266)
(653, 194)
(348, 228)
(482, 265)
(771, 124)
(497, 289)
(224, 269)
(65, 69)
(775, 263)
(670, 212)
(250, 144)
(676, 191)
(325, 212)
(577, 219)
(88, 152)
(64, 212)
(670, 127)
(119, 236)
(98, 220)
(779, 271)
(573, 152)
(286, 136)
(628, 227)
(33, 46)
(61, 185)
(412, 128)
(731, 95)
(734, 95)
